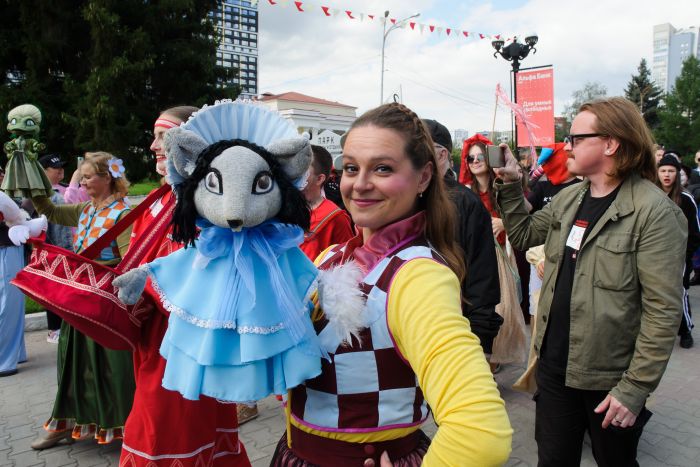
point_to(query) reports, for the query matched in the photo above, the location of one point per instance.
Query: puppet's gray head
(236, 184)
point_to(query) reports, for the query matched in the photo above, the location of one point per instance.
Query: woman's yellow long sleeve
(425, 317)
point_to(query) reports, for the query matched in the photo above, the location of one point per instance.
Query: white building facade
(321, 118)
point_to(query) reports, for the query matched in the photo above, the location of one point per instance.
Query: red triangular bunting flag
(370, 16)
(481, 36)
(498, 36)
(432, 28)
(393, 21)
(298, 4)
(413, 25)
(349, 13)
(448, 31)
(466, 33)
(272, 3)
(325, 10)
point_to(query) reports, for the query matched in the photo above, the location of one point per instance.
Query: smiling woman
(370, 401)
(96, 384)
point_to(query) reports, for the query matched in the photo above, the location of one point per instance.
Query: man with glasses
(695, 173)
(606, 323)
(480, 288)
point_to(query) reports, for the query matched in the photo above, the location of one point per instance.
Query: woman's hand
(75, 178)
(383, 461)
(540, 270)
(497, 226)
(511, 172)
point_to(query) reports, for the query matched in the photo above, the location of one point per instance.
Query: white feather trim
(342, 300)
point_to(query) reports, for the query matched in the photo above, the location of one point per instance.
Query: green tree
(101, 70)
(645, 94)
(591, 90)
(33, 68)
(679, 119)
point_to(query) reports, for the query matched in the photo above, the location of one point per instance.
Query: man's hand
(509, 173)
(617, 414)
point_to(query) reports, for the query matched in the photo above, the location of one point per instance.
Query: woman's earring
(420, 195)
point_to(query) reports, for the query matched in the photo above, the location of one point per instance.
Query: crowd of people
(455, 262)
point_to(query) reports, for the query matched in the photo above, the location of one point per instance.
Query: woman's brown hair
(676, 188)
(439, 210)
(181, 112)
(621, 120)
(99, 161)
(476, 188)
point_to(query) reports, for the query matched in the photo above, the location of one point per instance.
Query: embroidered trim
(84, 431)
(208, 323)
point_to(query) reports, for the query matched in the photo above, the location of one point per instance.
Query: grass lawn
(30, 306)
(143, 187)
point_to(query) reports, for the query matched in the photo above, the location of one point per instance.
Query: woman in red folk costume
(164, 429)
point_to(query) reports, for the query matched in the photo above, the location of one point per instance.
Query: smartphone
(496, 156)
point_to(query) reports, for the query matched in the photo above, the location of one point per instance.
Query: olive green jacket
(626, 300)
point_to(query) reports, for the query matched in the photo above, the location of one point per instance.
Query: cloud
(453, 80)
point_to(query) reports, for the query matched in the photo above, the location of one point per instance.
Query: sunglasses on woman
(477, 158)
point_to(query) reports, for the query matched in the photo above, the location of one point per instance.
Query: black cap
(670, 159)
(51, 160)
(440, 134)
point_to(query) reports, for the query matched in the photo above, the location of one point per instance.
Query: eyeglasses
(477, 158)
(571, 139)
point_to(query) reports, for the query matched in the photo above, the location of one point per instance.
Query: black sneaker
(686, 341)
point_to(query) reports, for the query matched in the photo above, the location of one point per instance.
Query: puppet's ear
(183, 147)
(294, 154)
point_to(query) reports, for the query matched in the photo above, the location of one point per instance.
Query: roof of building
(298, 97)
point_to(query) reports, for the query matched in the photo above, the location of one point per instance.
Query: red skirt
(166, 430)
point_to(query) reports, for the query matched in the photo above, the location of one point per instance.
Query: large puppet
(21, 225)
(24, 176)
(239, 293)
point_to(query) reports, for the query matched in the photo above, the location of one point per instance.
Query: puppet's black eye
(262, 183)
(212, 181)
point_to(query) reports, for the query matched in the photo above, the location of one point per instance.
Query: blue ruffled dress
(239, 326)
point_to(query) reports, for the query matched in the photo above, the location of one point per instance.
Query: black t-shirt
(543, 192)
(555, 347)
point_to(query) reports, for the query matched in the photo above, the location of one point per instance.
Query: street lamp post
(385, 33)
(514, 53)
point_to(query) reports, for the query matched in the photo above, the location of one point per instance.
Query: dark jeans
(564, 414)
(53, 320)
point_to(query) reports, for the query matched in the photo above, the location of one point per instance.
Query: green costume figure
(24, 176)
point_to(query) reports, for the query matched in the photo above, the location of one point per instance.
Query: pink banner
(535, 91)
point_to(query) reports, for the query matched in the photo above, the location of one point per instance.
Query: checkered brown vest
(368, 386)
(93, 223)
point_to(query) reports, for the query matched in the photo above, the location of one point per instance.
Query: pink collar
(385, 241)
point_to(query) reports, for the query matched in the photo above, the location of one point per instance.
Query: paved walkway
(672, 437)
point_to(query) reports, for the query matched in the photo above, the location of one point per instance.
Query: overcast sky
(453, 80)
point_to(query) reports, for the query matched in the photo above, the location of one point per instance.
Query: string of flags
(306, 7)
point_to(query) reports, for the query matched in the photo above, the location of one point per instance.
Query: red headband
(165, 123)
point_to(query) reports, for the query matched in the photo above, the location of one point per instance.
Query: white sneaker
(52, 338)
